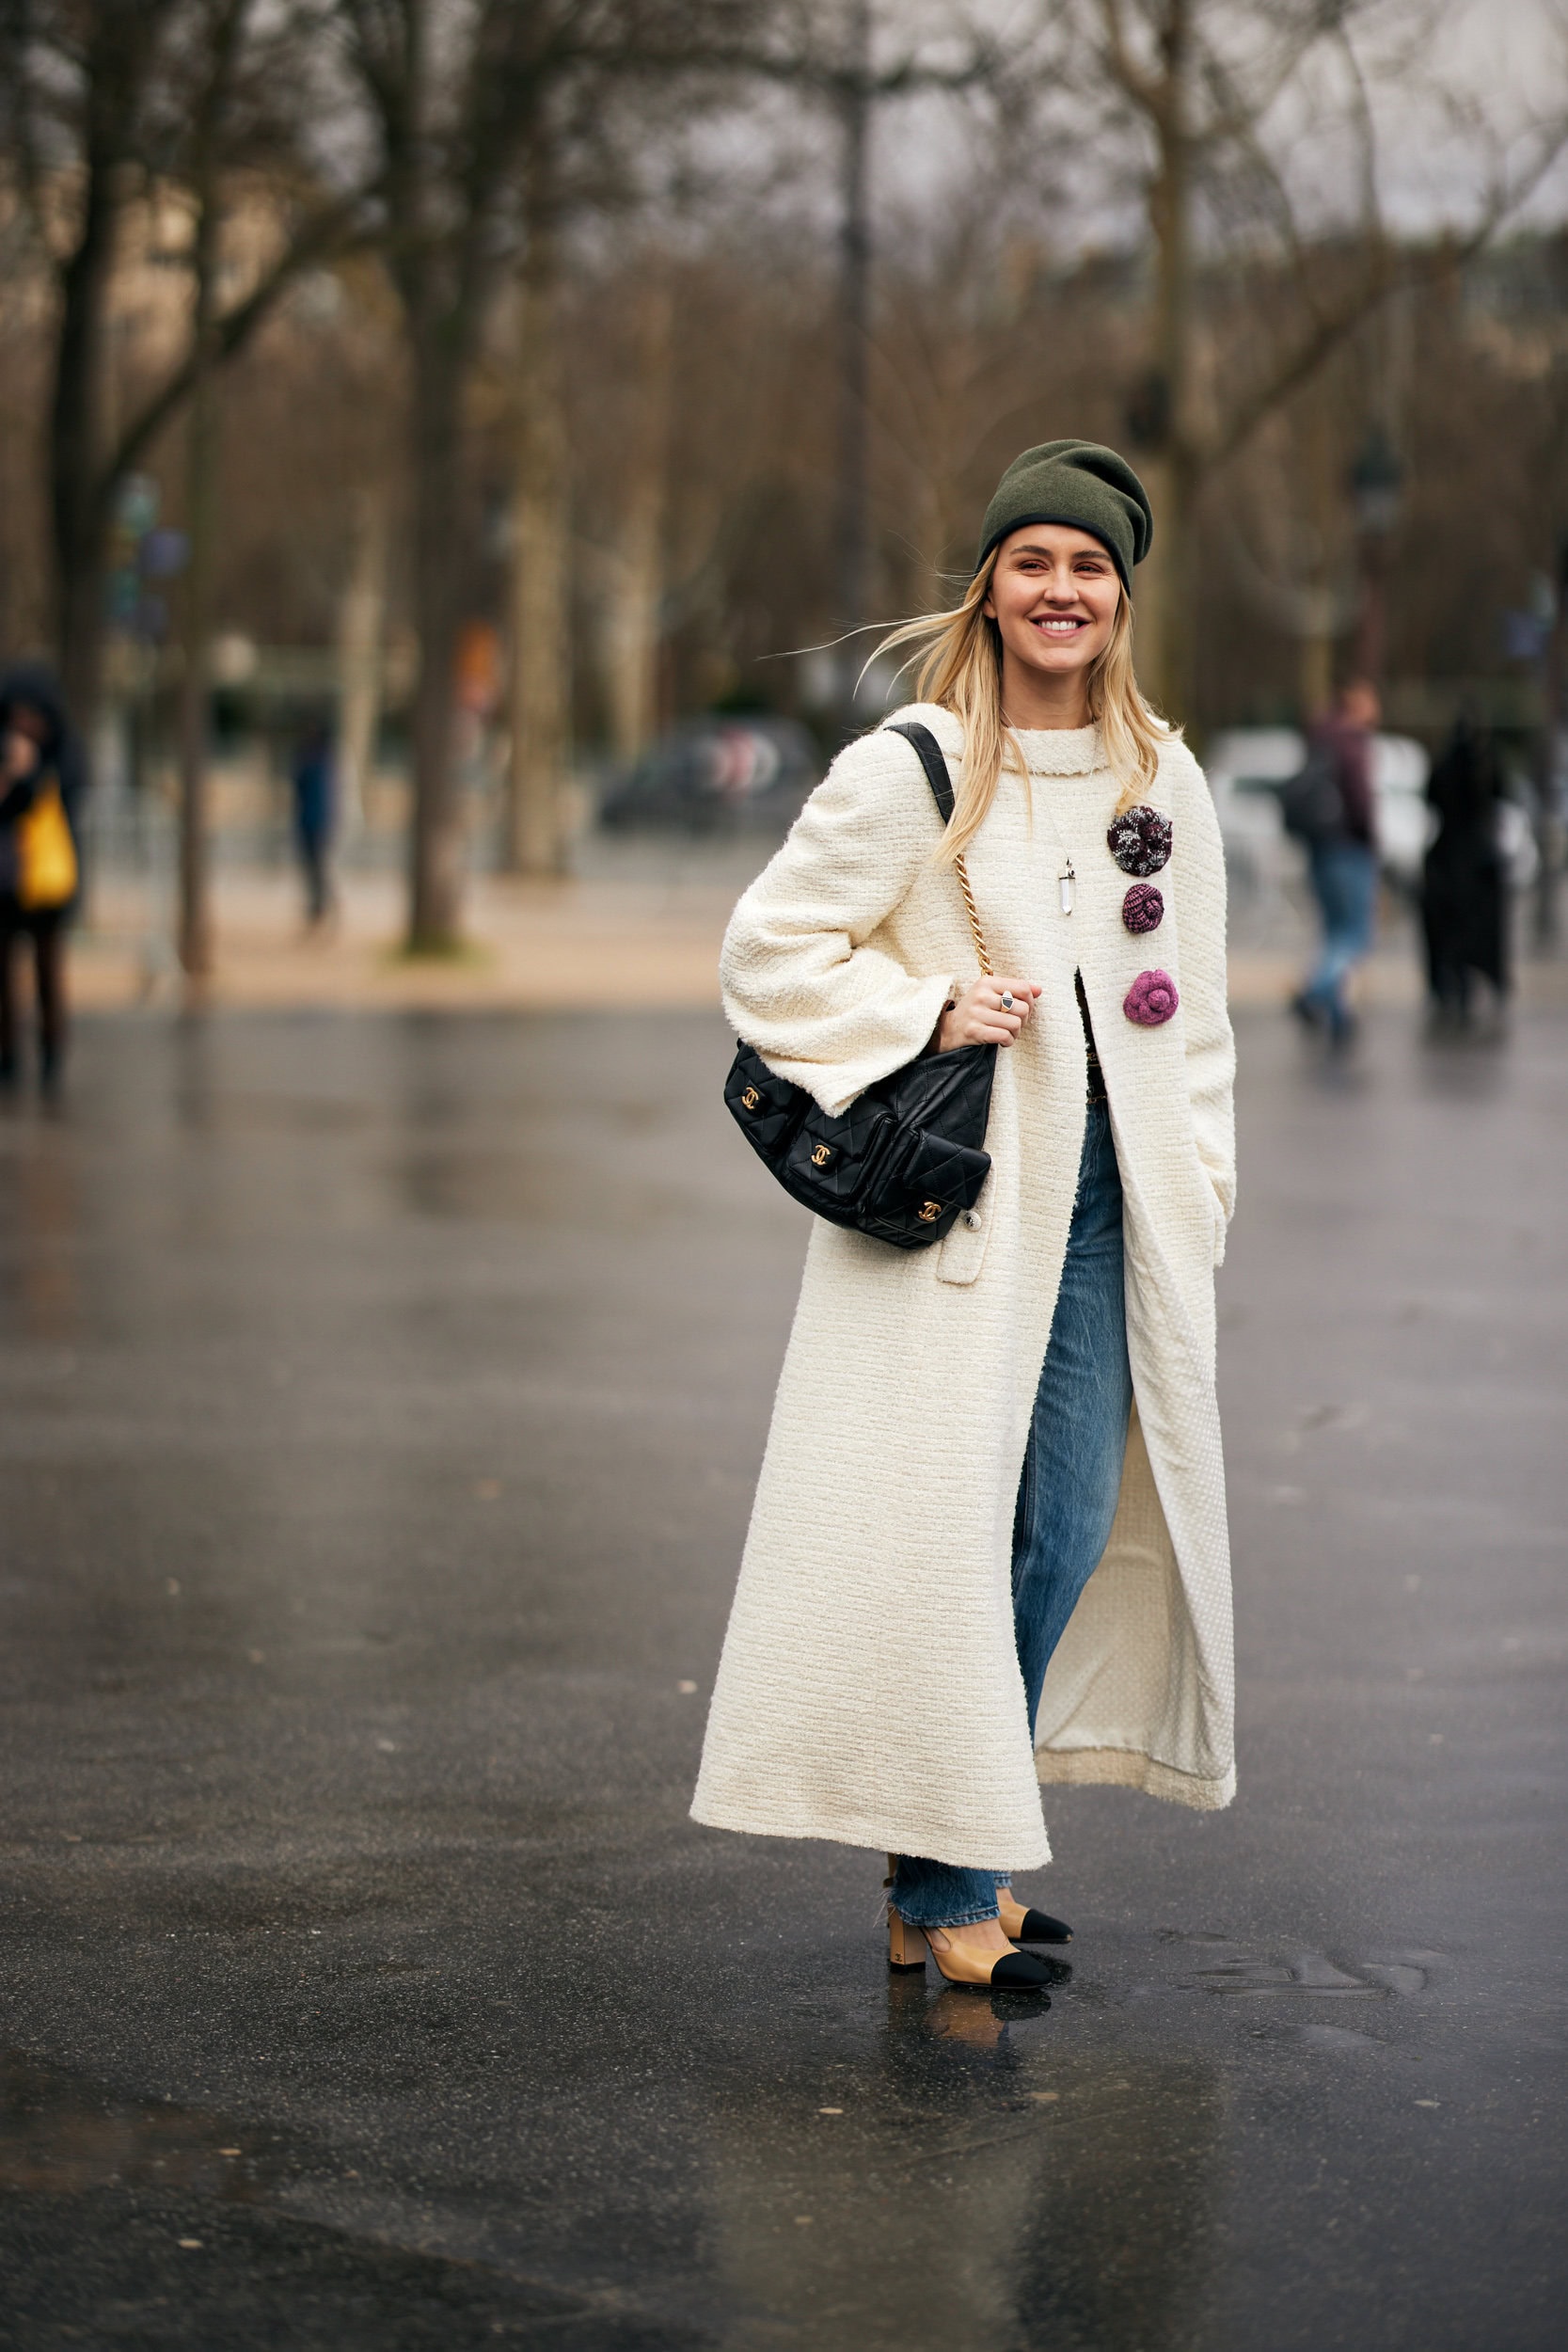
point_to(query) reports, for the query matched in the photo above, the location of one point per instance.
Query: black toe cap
(1039, 1928)
(1018, 1973)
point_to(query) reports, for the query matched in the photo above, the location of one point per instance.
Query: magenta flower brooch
(1143, 909)
(1151, 999)
(1139, 841)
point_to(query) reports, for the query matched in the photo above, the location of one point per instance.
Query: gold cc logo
(750, 1100)
(929, 1212)
(822, 1154)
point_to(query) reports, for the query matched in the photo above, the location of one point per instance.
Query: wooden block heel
(906, 1946)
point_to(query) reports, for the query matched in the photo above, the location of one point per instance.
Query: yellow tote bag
(46, 869)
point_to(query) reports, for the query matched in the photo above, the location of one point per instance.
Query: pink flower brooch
(1139, 841)
(1143, 909)
(1151, 999)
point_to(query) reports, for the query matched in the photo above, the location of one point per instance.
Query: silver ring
(1007, 1000)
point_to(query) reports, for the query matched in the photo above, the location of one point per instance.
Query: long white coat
(869, 1690)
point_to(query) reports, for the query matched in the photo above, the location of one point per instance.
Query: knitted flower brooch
(1143, 909)
(1139, 841)
(1151, 999)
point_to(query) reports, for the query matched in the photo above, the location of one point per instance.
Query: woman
(1465, 879)
(36, 758)
(988, 1541)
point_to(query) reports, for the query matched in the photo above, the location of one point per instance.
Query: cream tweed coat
(869, 1689)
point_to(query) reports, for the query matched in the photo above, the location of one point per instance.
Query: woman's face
(1053, 595)
(25, 734)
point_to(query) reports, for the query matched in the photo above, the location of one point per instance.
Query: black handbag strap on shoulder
(930, 756)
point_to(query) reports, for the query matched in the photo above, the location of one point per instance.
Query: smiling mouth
(1060, 626)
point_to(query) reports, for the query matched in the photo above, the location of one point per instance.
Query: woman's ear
(988, 602)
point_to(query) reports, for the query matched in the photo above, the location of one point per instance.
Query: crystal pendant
(1065, 881)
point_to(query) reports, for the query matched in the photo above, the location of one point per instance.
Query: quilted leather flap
(837, 1157)
(767, 1108)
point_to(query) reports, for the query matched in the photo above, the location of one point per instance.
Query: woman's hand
(990, 1011)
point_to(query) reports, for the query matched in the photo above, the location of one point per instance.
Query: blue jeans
(1344, 883)
(1066, 1497)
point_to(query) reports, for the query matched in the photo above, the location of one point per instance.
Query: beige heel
(906, 1946)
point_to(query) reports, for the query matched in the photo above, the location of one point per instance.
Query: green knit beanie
(1077, 483)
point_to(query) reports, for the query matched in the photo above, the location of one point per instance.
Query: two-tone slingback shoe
(1020, 1926)
(1013, 1972)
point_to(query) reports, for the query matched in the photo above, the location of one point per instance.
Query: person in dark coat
(314, 819)
(1465, 882)
(36, 748)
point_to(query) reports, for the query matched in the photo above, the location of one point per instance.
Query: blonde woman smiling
(989, 1544)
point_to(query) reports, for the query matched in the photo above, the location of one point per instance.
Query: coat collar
(1061, 751)
(1047, 751)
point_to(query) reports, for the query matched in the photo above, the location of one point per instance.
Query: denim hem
(970, 1919)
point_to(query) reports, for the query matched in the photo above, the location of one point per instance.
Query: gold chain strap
(980, 937)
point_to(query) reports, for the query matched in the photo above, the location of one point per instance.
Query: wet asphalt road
(379, 1404)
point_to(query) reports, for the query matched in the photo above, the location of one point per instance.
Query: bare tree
(457, 101)
(225, 31)
(832, 53)
(539, 661)
(98, 100)
(1201, 82)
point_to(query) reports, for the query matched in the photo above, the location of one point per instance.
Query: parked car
(713, 775)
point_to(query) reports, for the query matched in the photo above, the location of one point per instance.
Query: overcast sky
(1506, 60)
(1513, 57)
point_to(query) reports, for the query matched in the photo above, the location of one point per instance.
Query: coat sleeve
(800, 984)
(1210, 1045)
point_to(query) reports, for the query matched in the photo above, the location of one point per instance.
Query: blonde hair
(962, 672)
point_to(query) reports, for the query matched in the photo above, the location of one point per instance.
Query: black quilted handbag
(907, 1156)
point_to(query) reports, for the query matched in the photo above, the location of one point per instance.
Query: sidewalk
(643, 931)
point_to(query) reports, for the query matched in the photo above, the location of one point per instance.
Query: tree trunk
(195, 944)
(435, 836)
(1548, 755)
(638, 583)
(1166, 648)
(81, 515)
(361, 620)
(853, 527)
(539, 661)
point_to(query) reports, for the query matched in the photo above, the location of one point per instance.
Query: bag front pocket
(832, 1161)
(920, 1192)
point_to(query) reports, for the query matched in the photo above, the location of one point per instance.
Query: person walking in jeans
(1342, 861)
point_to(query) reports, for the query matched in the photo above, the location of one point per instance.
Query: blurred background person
(314, 814)
(1328, 808)
(40, 781)
(1463, 877)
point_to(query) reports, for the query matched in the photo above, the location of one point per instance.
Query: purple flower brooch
(1139, 841)
(1151, 999)
(1143, 909)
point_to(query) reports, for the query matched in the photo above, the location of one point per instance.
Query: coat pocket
(963, 1249)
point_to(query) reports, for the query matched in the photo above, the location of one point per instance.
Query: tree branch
(328, 232)
(1147, 91)
(1386, 270)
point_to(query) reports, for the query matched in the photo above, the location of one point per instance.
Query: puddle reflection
(42, 1219)
(60, 2136)
(963, 2183)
